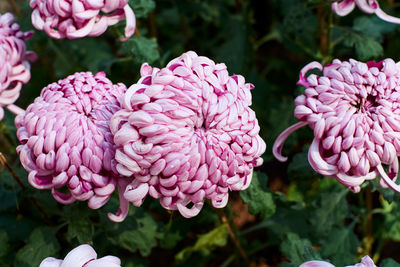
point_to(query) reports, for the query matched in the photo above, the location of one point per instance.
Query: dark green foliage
(389, 263)
(259, 197)
(298, 250)
(288, 215)
(40, 245)
(142, 48)
(138, 233)
(206, 243)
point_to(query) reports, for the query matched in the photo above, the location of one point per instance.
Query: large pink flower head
(354, 110)
(79, 18)
(366, 261)
(65, 139)
(82, 256)
(344, 7)
(14, 68)
(185, 133)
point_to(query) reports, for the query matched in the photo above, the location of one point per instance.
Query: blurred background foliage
(289, 214)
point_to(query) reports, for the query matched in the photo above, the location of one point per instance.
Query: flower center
(366, 104)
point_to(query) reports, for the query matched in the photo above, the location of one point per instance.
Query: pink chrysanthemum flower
(82, 256)
(344, 7)
(66, 143)
(15, 68)
(79, 18)
(354, 110)
(366, 261)
(185, 134)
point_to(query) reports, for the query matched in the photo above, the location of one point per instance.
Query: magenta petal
(343, 8)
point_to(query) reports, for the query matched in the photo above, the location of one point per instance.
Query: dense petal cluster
(344, 7)
(14, 68)
(79, 18)
(82, 256)
(366, 261)
(185, 133)
(354, 110)
(66, 143)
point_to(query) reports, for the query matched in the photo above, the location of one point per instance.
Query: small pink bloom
(79, 18)
(66, 142)
(354, 111)
(185, 133)
(366, 261)
(82, 256)
(15, 68)
(344, 7)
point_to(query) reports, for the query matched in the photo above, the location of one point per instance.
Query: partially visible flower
(317, 264)
(14, 68)
(185, 133)
(354, 110)
(79, 18)
(66, 143)
(344, 7)
(82, 256)
(366, 261)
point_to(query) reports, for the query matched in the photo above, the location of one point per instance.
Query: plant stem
(323, 42)
(137, 33)
(238, 5)
(370, 238)
(3, 162)
(15, 8)
(18, 180)
(233, 236)
(153, 25)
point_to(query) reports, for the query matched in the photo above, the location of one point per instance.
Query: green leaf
(391, 221)
(17, 227)
(138, 233)
(8, 199)
(82, 230)
(142, 7)
(366, 36)
(80, 225)
(299, 167)
(289, 217)
(259, 197)
(142, 48)
(206, 243)
(298, 250)
(365, 47)
(4, 249)
(373, 26)
(135, 262)
(340, 246)
(42, 243)
(389, 263)
(330, 209)
(171, 238)
(94, 54)
(238, 43)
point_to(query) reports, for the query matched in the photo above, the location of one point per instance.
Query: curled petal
(343, 8)
(278, 144)
(190, 212)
